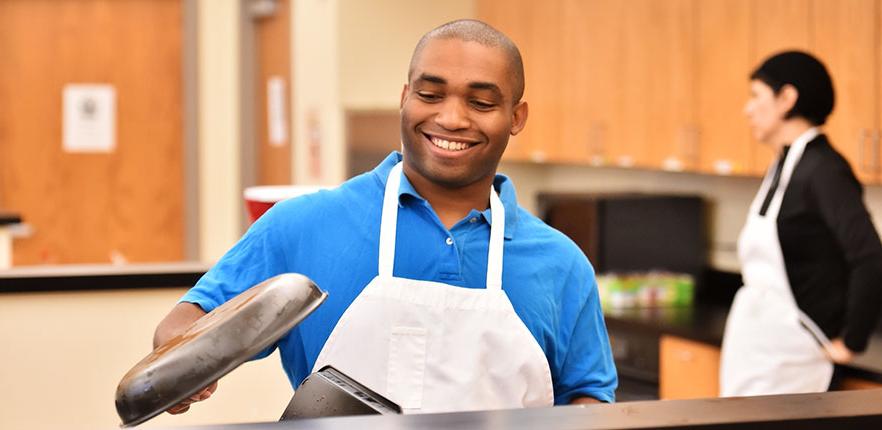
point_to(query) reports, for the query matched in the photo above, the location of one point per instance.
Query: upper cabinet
(662, 84)
(723, 65)
(845, 38)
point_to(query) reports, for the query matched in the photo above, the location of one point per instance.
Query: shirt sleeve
(588, 369)
(839, 198)
(256, 257)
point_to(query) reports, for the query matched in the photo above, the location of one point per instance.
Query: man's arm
(584, 401)
(180, 317)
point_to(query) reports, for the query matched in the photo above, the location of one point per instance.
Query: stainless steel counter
(835, 410)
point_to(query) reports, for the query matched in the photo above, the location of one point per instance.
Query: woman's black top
(831, 251)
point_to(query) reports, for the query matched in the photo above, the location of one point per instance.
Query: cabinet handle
(862, 156)
(695, 148)
(875, 142)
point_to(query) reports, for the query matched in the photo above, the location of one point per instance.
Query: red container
(259, 199)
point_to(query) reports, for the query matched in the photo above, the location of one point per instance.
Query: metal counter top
(835, 410)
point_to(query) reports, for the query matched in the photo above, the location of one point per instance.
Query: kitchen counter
(835, 410)
(706, 322)
(72, 277)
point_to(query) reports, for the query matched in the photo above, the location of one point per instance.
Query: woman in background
(811, 258)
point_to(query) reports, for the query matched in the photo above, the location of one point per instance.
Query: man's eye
(429, 97)
(482, 105)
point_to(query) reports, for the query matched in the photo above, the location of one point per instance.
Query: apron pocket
(407, 366)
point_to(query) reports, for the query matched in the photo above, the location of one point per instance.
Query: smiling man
(444, 294)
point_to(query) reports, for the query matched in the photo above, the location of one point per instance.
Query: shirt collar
(502, 183)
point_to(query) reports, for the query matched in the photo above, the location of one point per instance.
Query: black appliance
(632, 232)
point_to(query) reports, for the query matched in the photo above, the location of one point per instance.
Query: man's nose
(453, 115)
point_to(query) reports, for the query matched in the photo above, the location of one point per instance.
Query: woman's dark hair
(810, 78)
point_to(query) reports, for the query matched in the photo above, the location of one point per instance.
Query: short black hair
(810, 78)
(472, 30)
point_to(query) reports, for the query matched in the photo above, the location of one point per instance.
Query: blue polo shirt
(333, 238)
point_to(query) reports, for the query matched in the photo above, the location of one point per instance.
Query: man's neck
(788, 132)
(452, 205)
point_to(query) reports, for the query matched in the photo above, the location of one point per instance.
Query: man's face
(457, 113)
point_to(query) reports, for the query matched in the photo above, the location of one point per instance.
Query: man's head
(789, 85)
(460, 104)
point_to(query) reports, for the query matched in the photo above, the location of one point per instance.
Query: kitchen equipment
(214, 345)
(259, 199)
(625, 233)
(330, 392)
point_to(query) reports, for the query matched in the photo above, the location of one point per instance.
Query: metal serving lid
(214, 345)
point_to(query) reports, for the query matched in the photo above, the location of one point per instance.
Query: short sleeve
(588, 369)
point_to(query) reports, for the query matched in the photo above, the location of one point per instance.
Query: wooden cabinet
(661, 84)
(590, 102)
(657, 119)
(514, 19)
(845, 38)
(688, 369)
(777, 25)
(723, 67)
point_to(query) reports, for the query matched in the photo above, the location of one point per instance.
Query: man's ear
(519, 117)
(787, 97)
(403, 96)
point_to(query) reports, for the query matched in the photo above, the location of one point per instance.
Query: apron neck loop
(389, 222)
(389, 226)
(791, 158)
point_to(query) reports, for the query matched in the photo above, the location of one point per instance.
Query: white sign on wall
(277, 116)
(89, 118)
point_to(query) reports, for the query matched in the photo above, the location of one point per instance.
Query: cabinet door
(513, 19)
(656, 117)
(724, 64)
(590, 83)
(778, 25)
(688, 369)
(845, 40)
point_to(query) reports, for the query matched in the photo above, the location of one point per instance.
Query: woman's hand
(184, 406)
(839, 353)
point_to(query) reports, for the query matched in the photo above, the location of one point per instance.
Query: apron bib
(770, 346)
(434, 347)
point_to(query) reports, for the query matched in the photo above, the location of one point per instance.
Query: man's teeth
(448, 145)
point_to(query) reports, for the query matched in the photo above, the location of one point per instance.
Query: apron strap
(389, 223)
(791, 159)
(389, 226)
(497, 234)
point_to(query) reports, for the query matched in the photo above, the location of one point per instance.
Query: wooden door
(656, 117)
(514, 18)
(845, 40)
(724, 64)
(688, 369)
(777, 25)
(126, 205)
(590, 82)
(273, 50)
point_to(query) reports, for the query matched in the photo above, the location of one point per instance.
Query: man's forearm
(180, 317)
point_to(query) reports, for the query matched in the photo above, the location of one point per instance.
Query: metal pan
(214, 345)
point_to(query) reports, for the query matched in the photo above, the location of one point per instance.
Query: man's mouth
(449, 145)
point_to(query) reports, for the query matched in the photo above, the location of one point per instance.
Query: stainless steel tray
(214, 345)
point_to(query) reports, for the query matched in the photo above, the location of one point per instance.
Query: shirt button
(449, 241)
(473, 220)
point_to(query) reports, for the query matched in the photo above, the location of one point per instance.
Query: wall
(220, 201)
(63, 355)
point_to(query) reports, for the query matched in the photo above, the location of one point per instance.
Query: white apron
(433, 347)
(770, 346)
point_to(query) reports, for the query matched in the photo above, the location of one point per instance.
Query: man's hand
(180, 317)
(838, 352)
(198, 397)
